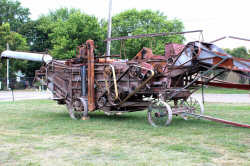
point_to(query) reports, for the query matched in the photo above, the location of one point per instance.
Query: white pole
(8, 81)
(109, 27)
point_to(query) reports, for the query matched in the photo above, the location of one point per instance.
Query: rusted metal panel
(173, 49)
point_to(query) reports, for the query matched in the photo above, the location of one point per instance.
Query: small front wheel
(78, 109)
(84, 105)
(193, 106)
(73, 113)
(159, 113)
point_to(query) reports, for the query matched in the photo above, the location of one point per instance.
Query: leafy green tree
(68, 33)
(134, 22)
(37, 31)
(62, 30)
(240, 52)
(12, 17)
(42, 34)
(16, 42)
(13, 13)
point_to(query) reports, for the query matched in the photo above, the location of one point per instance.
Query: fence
(20, 83)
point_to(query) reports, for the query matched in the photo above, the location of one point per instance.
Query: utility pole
(8, 79)
(109, 27)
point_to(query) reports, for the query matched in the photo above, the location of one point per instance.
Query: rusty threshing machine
(161, 84)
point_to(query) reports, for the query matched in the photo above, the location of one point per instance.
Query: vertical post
(12, 92)
(91, 75)
(109, 28)
(83, 75)
(202, 89)
(8, 81)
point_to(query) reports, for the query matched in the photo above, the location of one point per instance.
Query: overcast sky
(216, 18)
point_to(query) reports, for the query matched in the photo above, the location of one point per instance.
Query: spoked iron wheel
(193, 106)
(78, 114)
(73, 113)
(159, 113)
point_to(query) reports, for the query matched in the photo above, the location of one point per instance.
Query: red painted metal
(220, 120)
(173, 49)
(226, 85)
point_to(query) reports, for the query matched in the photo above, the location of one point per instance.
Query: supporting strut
(91, 75)
(219, 120)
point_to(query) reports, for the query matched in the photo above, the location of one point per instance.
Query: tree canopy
(134, 22)
(13, 13)
(16, 42)
(61, 31)
(240, 52)
(72, 31)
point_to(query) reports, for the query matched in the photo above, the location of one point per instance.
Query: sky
(217, 18)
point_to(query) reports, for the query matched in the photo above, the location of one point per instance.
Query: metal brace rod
(151, 35)
(232, 37)
(139, 87)
(223, 60)
(210, 79)
(218, 120)
(115, 83)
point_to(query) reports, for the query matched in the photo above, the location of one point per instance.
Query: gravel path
(22, 95)
(221, 98)
(224, 98)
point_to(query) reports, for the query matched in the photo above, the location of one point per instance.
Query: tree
(12, 17)
(240, 52)
(133, 22)
(37, 31)
(41, 32)
(13, 13)
(71, 32)
(16, 42)
(62, 30)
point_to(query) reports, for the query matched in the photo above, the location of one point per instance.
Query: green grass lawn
(40, 132)
(217, 90)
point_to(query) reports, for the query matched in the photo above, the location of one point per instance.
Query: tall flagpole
(109, 27)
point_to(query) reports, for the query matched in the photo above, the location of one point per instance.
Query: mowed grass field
(40, 132)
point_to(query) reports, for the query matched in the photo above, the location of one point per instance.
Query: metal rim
(193, 106)
(76, 115)
(72, 113)
(159, 113)
(84, 107)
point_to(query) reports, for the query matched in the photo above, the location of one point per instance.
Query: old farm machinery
(161, 84)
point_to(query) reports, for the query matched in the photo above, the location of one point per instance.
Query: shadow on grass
(134, 118)
(137, 119)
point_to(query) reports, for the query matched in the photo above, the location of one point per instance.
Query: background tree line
(59, 33)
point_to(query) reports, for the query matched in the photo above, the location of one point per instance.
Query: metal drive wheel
(73, 113)
(159, 113)
(193, 106)
(84, 108)
(78, 109)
